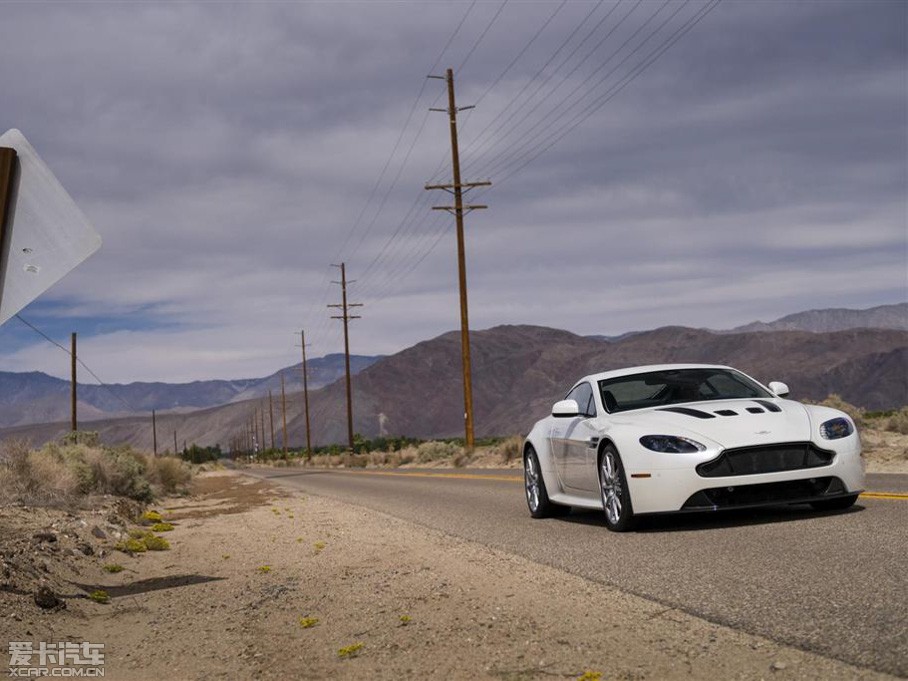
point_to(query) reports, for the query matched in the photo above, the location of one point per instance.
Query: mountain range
(519, 371)
(35, 397)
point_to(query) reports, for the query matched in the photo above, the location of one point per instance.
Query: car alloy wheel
(616, 499)
(531, 480)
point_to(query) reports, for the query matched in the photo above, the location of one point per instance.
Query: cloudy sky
(652, 163)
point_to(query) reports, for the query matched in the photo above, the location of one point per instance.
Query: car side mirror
(565, 409)
(779, 389)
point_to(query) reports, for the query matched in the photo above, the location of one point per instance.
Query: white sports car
(687, 437)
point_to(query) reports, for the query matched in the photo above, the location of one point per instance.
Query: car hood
(790, 423)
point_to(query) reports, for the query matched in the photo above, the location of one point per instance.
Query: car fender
(539, 439)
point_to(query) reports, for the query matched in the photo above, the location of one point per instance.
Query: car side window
(583, 395)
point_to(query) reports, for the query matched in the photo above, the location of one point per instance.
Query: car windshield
(676, 386)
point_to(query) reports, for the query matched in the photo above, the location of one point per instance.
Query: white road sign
(48, 234)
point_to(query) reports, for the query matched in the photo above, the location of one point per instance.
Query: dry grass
(63, 474)
(898, 422)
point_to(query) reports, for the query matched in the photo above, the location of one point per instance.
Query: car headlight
(671, 444)
(836, 428)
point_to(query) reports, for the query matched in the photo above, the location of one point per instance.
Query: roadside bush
(898, 422)
(355, 460)
(434, 451)
(511, 448)
(836, 402)
(61, 473)
(169, 473)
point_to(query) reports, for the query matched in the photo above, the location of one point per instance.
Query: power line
(635, 72)
(565, 100)
(79, 360)
(325, 284)
(608, 95)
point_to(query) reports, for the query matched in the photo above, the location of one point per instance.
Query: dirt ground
(262, 582)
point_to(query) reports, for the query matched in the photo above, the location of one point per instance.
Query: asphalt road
(831, 583)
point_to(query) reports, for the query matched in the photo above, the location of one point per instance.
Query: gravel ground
(251, 564)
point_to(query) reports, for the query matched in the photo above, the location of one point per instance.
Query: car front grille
(791, 456)
(789, 491)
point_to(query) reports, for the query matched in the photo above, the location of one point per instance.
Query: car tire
(534, 485)
(839, 504)
(616, 497)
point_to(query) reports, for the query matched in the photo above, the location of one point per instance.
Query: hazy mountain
(817, 321)
(836, 319)
(35, 397)
(519, 371)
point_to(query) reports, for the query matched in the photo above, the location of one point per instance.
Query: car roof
(617, 373)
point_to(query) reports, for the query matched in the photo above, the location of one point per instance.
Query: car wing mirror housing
(565, 409)
(779, 389)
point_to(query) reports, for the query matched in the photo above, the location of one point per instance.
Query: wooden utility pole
(459, 210)
(271, 417)
(262, 416)
(306, 398)
(255, 431)
(154, 431)
(346, 317)
(284, 413)
(175, 443)
(72, 389)
(8, 163)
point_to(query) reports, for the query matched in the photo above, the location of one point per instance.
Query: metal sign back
(47, 234)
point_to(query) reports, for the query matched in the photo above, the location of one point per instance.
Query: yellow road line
(885, 495)
(419, 474)
(516, 478)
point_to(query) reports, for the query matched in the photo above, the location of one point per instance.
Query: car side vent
(726, 412)
(687, 411)
(755, 410)
(769, 406)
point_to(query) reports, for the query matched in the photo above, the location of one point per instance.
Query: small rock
(778, 666)
(45, 536)
(98, 532)
(47, 599)
(86, 549)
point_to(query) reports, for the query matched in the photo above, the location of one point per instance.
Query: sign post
(43, 234)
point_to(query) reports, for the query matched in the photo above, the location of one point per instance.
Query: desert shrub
(355, 460)
(36, 478)
(99, 596)
(462, 459)
(60, 473)
(898, 421)
(511, 448)
(89, 438)
(434, 451)
(131, 546)
(836, 402)
(152, 516)
(169, 473)
(120, 472)
(155, 543)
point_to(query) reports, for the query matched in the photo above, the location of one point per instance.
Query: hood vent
(687, 411)
(727, 412)
(755, 410)
(769, 406)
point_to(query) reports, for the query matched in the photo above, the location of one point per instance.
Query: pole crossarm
(465, 186)
(453, 210)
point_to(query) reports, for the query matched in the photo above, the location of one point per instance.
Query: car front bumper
(668, 490)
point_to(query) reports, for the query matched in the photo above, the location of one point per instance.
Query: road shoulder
(266, 582)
